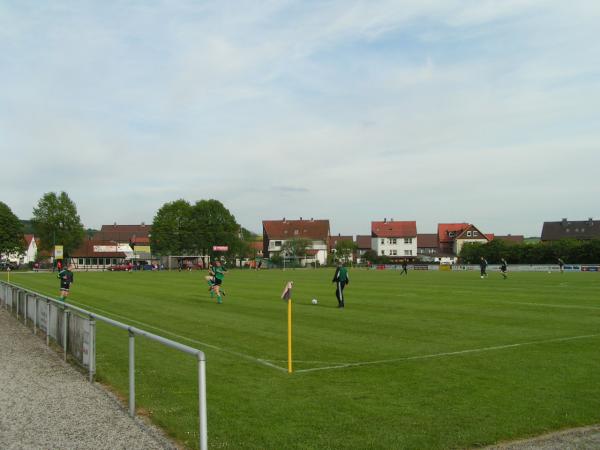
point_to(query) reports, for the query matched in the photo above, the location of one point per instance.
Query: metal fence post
(26, 295)
(35, 306)
(65, 330)
(92, 349)
(202, 402)
(18, 296)
(47, 322)
(131, 373)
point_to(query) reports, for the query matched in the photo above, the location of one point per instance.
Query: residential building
(277, 232)
(136, 236)
(512, 238)
(470, 235)
(363, 245)
(569, 229)
(395, 239)
(427, 246)
(28, 255)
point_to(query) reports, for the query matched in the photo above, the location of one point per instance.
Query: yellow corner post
(290, 335)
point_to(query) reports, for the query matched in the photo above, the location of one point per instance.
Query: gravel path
(585, 438)
(47, 404)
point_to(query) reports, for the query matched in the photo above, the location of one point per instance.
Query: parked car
(119, 267)
(4, 265)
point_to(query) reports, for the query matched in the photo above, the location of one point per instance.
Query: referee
(341, 279)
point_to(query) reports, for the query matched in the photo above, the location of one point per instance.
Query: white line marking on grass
(438, 355)
(548, 305)
(242, 355)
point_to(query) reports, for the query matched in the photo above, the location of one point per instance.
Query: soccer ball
(314, 301)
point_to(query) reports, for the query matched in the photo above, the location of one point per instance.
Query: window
(407, 252)
(474, 233)
(408, 240)
(392, 240)
(87, 261)
(296, 232)
(468, 234)
(80, 261)
(94, 261)
(383, 241)
(277, 243)
(383, 252)
(393, 252)
(451, 233)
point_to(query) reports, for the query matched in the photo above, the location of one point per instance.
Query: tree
(213, 224)
(172, 229)
(56, 222)
(296, 247)
(344, 249)
(11, 232)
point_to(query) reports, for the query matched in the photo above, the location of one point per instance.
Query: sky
(478, 111)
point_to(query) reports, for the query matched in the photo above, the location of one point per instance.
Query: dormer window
(451, 233)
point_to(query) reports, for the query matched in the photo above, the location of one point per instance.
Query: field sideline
(432, 360)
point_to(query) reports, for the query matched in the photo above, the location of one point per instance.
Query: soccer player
(503, 267)
(483, 266)
(219, 273)
(404, 267)
(66, 279)
(561, 265)
(341, 279)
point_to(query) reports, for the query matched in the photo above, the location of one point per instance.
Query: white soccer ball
(314, 301)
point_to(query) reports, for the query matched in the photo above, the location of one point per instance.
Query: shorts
(65, 286)
(217, 282)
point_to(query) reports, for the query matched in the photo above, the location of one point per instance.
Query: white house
(395, 239)
(30, 253)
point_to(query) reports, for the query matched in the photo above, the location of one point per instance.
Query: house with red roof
(30, 253)
(395, 239)
(453, 236)
(277, 232)
(427, 246)
(363, 245)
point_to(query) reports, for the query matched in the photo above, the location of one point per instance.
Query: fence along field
(432, 360)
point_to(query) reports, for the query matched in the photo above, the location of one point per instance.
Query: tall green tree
(172, 229)
(56, 222)
(11, 232)
(215, 225)
(344, 249)
(296, 247)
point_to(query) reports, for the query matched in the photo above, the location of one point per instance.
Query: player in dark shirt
(404, 267)
(503, 268)
(483, 266)
(66, 279)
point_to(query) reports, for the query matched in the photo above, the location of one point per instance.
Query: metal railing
(11, 293)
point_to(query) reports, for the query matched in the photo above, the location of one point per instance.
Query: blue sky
(435, 111)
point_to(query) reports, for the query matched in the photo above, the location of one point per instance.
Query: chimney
(392, 219)
(590, 222)
(284, 220)
(564, 222)
(300, 217)
(311, 219)
(384, 220)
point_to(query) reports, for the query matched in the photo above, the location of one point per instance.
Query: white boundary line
(437, 355)
(268, 363)
(242, 355)
(547, 305)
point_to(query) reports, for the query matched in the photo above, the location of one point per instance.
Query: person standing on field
(341, 279)
(483, 266)
(561, 265)
(503, 268)
(66, 279)
(404, 267)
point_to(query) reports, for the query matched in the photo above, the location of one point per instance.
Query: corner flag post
(287, 296)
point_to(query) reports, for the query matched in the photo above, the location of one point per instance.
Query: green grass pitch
(428, 360)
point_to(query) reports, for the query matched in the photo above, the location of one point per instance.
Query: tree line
(569, 250)
(178, 228)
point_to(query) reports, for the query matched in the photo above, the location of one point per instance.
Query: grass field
(432, 360)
